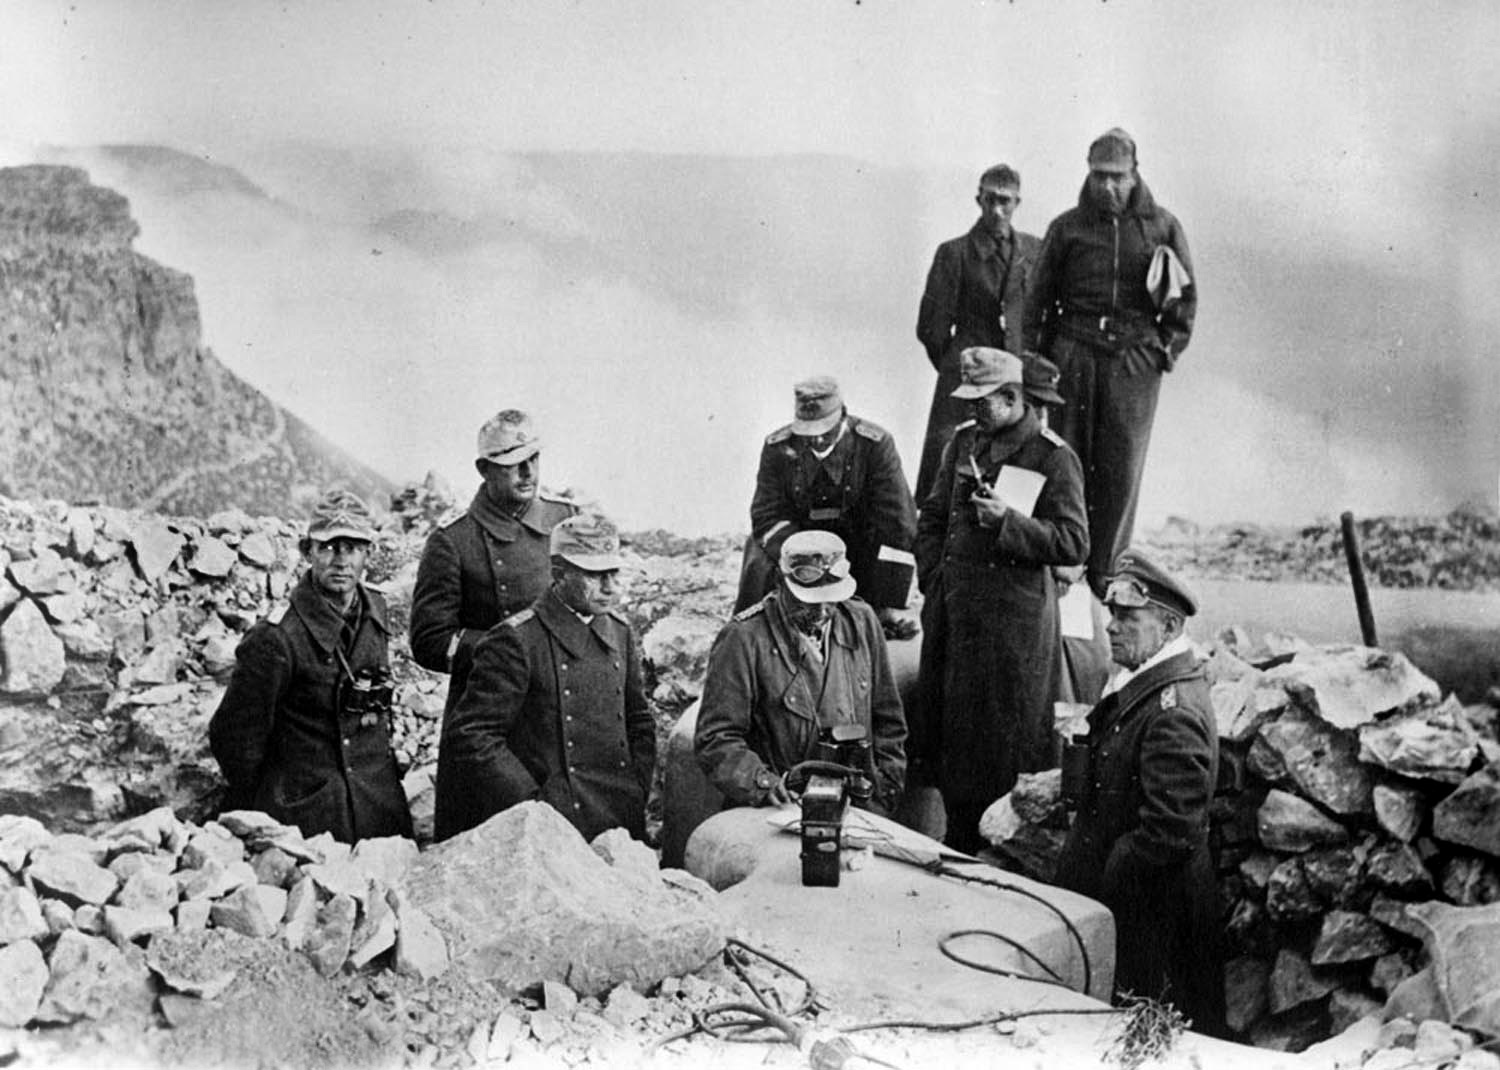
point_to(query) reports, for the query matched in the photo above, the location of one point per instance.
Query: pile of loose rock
(118, 631)
(1356, 809)
(147, 921)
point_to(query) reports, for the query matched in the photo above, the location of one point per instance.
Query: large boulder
(34, 656)
(1464, 946)
(1029, 824)
(1436, 743)
(1470, 815)
(1286, 822)
(1348, 686)
(522, 899)
(1323, 762)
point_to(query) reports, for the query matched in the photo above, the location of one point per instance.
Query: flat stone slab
(871, 944)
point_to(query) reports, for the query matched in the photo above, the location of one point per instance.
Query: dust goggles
(1127, 592)
(818, 572)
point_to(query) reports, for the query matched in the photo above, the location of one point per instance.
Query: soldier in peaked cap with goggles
(1112, 302)
(1141, 782)
(785, 672)
(554, 708)
(490, 561)
(303, 730)
(1005, 509)
(832, 471)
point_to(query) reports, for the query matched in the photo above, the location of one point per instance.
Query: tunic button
(566, 691)
(346, 741)
(572, 769)
(622, 763)
(617, 664)
(568, 717)
(563, 665)
(578, 806)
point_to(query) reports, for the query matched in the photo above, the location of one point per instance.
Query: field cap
(815, 566)
(983, 370)
(1113, 150)
(1139, 580)
(819, 405)
(341, 515)
(508, 438)
(588, 541)
(1040, 378)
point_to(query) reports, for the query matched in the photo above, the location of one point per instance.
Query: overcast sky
(1359, 129)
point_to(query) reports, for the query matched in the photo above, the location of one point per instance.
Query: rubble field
(136, 920)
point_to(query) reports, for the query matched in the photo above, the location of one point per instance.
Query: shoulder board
(1053, 437)
(1168, 700)
(274, 617)
(620, 616)
(781, 434)
(965, 425)
(750, 611)
(451, 517)
(553, 496)
(871, 431)
(515, 620)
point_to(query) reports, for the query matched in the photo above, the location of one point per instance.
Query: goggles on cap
(817, 573)
(1127, 592)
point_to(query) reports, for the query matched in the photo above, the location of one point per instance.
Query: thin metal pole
(1357, 578)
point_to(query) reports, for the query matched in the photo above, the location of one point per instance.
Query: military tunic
(282, 733)
(975, 296)
(857, 491)
(1139, 843)
(475, 571)
(766, 696)
(991, 638)
(554, 710)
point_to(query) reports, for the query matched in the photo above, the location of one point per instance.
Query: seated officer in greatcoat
(806, 659)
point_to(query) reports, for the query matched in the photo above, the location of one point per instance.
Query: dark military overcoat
(283, 734)
(554, 710)
(975, 296)
(858, 491)
(766, 696)
(991, 643)
(1139, 843)
(476, 570)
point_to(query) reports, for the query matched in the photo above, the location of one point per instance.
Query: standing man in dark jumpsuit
(975, 296)
(303, 732)
(490, 561)
(831, 471)
(1139, 842)
(1112, 302)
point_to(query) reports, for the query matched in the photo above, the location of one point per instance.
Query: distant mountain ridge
(107, 392)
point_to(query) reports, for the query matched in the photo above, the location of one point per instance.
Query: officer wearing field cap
(491, 560)
(303, 730)
(832, 471)
(991, 647)
(554, 707)
(1112, 303)
(1041, 378)
(1139, 843)
(784, 672)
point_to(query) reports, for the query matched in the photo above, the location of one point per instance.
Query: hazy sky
(1358, 131)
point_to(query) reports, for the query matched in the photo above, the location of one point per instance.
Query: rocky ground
(118, 633)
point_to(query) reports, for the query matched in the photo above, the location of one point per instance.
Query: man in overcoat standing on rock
(554, 709)
(975, 296)
(304, 729)
(991, 643)
(1139, 842)
(829, 470)
(490, 561)
(783, 674)
(1111, 302)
